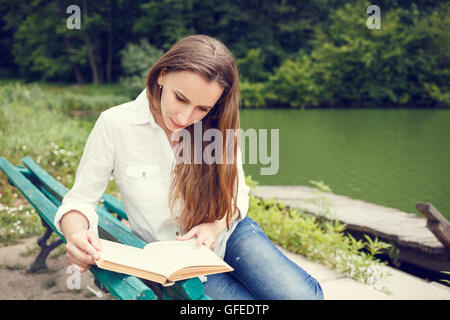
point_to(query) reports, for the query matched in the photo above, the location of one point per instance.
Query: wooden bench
(45, 194)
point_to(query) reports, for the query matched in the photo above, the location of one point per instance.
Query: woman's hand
(82, 245)
(82, 249)
(206, 233)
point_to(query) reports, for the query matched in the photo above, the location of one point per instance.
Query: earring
(160, 86)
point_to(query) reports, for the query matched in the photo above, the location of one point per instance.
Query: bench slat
(123, 286)
(114, 205)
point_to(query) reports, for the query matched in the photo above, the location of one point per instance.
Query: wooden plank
(436, 222)
(57, 189)
(114, 205)
(115, 230)
(123, 286)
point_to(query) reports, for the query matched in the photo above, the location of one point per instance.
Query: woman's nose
(183, 118)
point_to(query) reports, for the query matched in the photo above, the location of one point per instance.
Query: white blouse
(128, 144)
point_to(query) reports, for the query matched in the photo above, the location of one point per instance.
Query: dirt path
(16, 284)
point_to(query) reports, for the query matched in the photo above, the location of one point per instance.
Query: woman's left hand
(206, 233)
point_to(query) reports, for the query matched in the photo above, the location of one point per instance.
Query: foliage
(321, 186)
(297, 83)
(352, 65)
(253, 94)
(44, 48)
(251, 67)
(136, 61)
(27, 126)
(386, 66)
(30, 118)
(166, 21)
(439, 87)
(18, 222)
(446, 280)
(32, 123)
(299, 54)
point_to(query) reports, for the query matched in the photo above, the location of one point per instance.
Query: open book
(161, 261)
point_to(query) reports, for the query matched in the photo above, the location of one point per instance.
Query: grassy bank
(35, 122)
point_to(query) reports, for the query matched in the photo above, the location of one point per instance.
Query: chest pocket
(143, 181)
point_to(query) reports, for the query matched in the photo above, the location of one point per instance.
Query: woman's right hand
(82, 244)
(82, 249)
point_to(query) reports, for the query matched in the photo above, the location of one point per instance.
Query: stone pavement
(403, 286)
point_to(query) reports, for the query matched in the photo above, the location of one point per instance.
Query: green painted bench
(45, 194)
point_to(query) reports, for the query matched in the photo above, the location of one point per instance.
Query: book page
(131, 256)
(161, 260)
(182, 254)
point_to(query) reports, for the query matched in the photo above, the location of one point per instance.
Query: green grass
(34, 122)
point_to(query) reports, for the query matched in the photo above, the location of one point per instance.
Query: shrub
(253, 94)
(136, 61)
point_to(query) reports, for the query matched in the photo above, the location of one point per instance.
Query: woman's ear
(161, 77)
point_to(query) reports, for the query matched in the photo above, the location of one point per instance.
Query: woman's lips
(176, 124)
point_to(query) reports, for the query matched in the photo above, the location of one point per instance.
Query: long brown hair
(209, 191)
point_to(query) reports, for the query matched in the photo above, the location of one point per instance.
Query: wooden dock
(414, 242)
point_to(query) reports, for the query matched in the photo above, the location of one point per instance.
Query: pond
(391, 157)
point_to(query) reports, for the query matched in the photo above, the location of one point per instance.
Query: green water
(393, 157)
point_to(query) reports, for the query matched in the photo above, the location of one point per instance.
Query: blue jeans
(261, 270)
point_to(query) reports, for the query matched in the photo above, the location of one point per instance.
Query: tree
(44, 48)
(351, 65)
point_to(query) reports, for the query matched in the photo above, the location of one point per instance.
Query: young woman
(195, 83)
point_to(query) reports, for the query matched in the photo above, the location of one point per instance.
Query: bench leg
(155, 287)
(100, 286)
(39, 263)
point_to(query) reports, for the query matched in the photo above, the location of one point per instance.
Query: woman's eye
(179, 99)
(184, 101)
